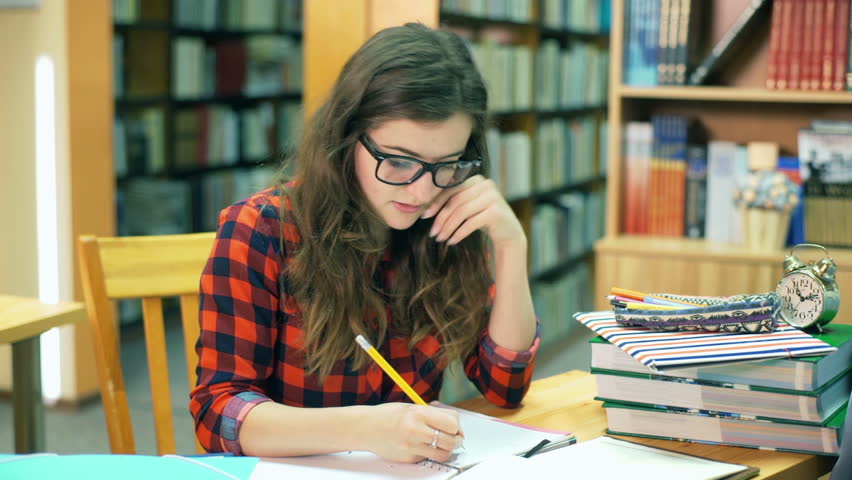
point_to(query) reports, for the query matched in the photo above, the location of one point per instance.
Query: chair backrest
(147, 268)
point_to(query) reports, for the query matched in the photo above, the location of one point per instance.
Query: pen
(646, 306)
(536, 448)
(375, 355)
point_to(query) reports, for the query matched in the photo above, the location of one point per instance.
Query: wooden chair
(148, 268)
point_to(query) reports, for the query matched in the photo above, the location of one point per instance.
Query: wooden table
(22, 320)
(566, 402)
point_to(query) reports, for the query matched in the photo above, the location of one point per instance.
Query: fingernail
(426, 213)
(433, 231)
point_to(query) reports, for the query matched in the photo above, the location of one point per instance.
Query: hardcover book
(742, 400)
(717, 428)
(798, 373)
(664, 350)
(756, 12)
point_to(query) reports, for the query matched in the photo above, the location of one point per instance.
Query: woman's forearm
(274, 430)
(512, 323)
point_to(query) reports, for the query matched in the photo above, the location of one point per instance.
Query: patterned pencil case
(756, 313)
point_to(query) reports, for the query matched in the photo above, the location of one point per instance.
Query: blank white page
(605, 457)
(345, 465)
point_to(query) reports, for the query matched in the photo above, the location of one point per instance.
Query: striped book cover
(660, 350)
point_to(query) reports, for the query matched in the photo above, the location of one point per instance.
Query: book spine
(849, 57)
(664, 49)
(829, 32)
(681, 45)
(696, 191)
(841, 45)
(807, 46)
(774, 44)
(650, 48)
(797, 28)
(817, 40)
(679, 202)
(783, 60)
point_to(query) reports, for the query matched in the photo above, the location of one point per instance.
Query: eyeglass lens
(399, 170)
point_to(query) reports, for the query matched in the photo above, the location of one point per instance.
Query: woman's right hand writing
(403, 432)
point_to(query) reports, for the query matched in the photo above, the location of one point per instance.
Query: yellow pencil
(375, 355)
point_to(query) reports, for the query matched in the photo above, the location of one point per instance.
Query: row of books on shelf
(660, 40)
(589, 16)
(155, 206)
(797, 403)
(570, 151)
(565, 151)
(809, 45)
(234, 15)
(554, 301)
(565, 227)
(586, 16)
(573, 77)
(678, 185)
(207, 136)
(562, 78)
(257, 65)
(512, 10)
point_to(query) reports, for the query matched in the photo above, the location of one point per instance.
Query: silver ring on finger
(435, 439)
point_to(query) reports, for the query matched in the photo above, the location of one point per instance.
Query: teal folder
(125, 467)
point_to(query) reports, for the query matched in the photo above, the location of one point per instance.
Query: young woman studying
(388, 230)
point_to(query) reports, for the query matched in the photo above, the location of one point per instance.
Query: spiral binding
(436, 465)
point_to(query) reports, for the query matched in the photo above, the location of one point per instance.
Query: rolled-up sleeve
(239, 324)
(503, 376)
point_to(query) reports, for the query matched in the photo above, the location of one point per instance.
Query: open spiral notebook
(485, 437)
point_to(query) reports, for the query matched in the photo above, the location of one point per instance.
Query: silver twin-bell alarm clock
(809, 294)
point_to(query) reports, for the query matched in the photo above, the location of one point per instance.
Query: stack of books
(788, 403)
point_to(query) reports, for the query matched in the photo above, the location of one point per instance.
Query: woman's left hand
(473, 205)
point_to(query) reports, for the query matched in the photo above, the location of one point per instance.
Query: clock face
(802, 299)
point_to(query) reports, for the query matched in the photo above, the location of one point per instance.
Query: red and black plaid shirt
(250, 349)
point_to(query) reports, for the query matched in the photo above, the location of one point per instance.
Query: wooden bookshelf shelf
(691, 248)
(698, 267)
(557, 271)
(580, 185)
(141, 102)
(568, 112)
(685, 248)
(734, 94)
(556, 33)
(236, 99)
(481, 22)
(219, 34)
(141, 25)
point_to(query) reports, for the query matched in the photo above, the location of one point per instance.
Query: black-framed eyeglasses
(401, 170)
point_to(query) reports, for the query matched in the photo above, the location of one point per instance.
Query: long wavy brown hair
(410, 72)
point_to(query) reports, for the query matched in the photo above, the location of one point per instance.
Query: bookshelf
(208, 99)
(548, 123)
(740, 110)
(544, 63)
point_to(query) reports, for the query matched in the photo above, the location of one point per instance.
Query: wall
(24, 34)
(77, 35)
